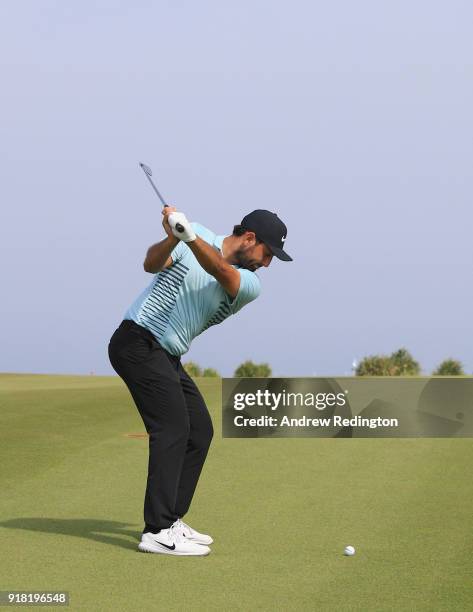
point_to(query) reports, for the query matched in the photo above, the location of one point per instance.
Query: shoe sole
(149, 548)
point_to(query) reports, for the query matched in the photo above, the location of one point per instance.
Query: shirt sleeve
(249, 290)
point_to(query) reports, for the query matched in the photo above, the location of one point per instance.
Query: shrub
(248, 369)
(374, 365)
(193, 369)
(399, 363)
(210, 372)
(404, 363)
(449, 367)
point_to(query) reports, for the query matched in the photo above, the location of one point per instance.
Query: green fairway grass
(280, 511)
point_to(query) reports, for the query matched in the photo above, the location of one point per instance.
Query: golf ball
(349, 551)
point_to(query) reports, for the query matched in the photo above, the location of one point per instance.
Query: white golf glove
(178, 218)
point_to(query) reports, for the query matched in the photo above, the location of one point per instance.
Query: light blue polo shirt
(183, 300)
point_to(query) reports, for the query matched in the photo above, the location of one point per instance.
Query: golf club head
(146, 169)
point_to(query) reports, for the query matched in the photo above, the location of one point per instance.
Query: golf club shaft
(156, 190)
(179, 227)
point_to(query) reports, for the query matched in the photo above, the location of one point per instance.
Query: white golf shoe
(171, 542)
(191, 534)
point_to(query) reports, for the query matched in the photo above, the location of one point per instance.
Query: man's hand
(171, 218)
(178, 218)
(167, 210)
(158, 256)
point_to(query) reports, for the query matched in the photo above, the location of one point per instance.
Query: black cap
(268, 228)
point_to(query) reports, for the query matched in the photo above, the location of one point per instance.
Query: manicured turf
(280, 511)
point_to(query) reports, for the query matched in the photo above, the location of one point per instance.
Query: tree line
(247, 369)
(402, 363)
(399, 363)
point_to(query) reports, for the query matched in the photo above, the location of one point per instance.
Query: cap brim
(280, 254)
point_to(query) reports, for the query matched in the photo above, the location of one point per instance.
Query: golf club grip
(179, 227)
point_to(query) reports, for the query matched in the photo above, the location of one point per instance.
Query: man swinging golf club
(199, 280)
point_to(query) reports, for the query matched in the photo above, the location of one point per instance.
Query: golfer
(199, 280)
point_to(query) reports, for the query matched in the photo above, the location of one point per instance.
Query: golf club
(147, 170)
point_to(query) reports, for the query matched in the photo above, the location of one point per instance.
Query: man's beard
(243, 260)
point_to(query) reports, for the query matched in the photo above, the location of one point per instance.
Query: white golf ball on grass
(349, 551)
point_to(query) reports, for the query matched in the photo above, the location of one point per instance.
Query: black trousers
(175, 416)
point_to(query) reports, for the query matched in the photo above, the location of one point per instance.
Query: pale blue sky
(351, 120)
